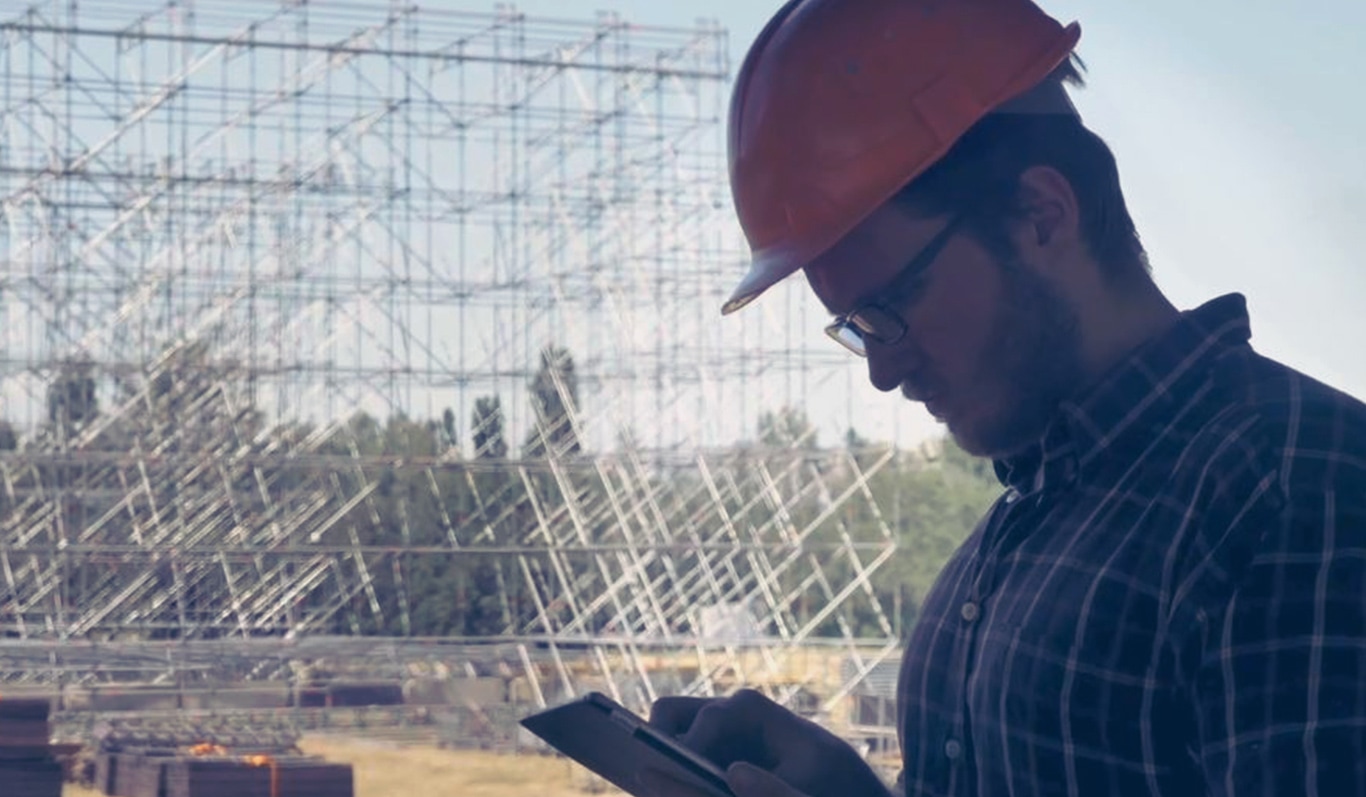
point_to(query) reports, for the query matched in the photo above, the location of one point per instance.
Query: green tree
(487, 426)
(787, 428)
(9, 441)
(492, 593)
(71, 399)
(554, 400)
(447, 435)
(933, 504)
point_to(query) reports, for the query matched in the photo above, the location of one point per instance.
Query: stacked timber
(127, 773)
(257, 776)
(211, 770)
(27, 765)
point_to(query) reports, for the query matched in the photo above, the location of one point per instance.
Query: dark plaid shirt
(1169, 599)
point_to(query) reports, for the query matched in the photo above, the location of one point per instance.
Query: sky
(1239, 143)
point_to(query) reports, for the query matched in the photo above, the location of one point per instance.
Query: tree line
(498, 492)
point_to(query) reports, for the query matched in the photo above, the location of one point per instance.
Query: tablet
(616, 744)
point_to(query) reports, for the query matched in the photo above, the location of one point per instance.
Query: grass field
(383, 771)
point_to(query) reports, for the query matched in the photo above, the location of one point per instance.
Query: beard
(1031, 365)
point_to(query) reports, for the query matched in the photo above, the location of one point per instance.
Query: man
(1170, 597)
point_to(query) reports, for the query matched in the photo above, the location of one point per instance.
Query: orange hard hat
(841, 103)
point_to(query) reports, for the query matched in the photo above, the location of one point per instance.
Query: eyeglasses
(877, 319)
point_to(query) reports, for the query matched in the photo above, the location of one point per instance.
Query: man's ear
(1048, 219)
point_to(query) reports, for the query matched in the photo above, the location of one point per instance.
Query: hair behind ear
(981, 174)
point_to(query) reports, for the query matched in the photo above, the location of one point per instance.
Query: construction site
(364, 378)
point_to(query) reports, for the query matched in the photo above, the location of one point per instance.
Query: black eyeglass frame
(877, 318)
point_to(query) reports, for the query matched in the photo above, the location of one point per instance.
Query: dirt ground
(383, 771)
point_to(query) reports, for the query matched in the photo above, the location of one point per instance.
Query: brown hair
(980, 175)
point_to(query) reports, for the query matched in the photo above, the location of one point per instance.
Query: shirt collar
(1137, 396)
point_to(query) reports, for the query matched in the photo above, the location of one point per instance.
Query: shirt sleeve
(1277, 667)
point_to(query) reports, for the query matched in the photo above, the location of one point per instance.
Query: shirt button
(969, 611)
(952, 749)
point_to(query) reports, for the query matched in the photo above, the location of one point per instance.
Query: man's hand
(766, 750)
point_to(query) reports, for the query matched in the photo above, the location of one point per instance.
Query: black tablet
(616, 744)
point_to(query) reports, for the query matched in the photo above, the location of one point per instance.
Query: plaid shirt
(1169, 599)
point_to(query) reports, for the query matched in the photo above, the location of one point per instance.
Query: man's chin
(970, 444)
(988, 445)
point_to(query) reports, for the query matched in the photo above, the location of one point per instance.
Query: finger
(747, 780)
(829, 765)
(675, 715)
(733, 729)
(783, 738)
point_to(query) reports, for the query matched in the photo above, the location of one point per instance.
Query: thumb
(747, 780)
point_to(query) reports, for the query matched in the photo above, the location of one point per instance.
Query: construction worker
(1170, 596)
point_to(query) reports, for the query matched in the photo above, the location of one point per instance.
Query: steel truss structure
(228, 228)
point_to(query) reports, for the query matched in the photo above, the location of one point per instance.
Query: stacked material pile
(257, 776)
(133, 753)
(211, 770)
(27, 765)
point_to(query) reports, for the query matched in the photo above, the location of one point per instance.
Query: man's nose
(889, 365)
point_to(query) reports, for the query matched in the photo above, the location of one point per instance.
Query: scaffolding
(239, 236)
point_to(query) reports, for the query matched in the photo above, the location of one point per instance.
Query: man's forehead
(868, 257)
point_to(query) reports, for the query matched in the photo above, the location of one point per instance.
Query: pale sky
(1238, 126)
